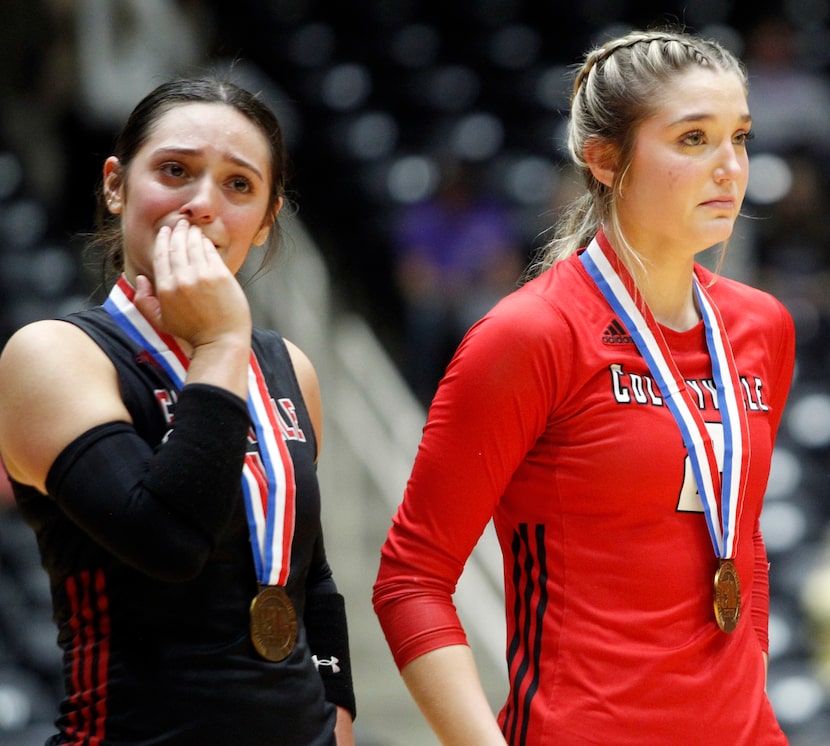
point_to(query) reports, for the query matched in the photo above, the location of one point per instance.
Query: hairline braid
(603, 52)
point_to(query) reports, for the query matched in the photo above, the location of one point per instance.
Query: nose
(729, 164)
(200, 206)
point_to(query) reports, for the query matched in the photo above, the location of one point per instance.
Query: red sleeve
(760, 592)
(782, 362)
(489, 410)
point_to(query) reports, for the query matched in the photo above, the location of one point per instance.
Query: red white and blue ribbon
(721, 495)
(268, 482)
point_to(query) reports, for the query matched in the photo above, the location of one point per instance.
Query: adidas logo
(616, 334)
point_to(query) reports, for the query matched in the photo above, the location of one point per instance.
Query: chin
(717, 234)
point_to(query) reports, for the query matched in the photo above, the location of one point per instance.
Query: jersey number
(689, 501)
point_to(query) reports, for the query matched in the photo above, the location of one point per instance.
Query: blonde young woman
(615, 417)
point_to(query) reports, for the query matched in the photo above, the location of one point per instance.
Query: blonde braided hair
(693, 49)
(614, 90)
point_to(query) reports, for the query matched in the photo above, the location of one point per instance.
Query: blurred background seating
(381, 100)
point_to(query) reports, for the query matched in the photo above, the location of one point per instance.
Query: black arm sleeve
(328, 640)
(158, 511)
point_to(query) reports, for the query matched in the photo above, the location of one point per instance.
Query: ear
(262, 234)
(601, 159)
(113, 185)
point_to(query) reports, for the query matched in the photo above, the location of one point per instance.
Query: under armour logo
(326, 662)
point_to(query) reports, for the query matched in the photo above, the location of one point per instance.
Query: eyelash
(177, 170)
(171, 166)
(236, 180)
(744, 137)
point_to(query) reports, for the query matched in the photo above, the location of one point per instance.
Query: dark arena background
(385, 103)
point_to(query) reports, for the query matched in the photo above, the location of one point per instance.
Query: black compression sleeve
(158, 511)
(328, 640)
(203, 455)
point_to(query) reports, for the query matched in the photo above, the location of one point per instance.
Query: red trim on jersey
(90, 621)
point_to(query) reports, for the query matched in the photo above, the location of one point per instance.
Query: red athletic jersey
(548, 422)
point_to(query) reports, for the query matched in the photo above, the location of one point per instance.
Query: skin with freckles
(687, 179)
(683, 188)
(184, 172)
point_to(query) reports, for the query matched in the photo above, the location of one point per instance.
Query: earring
(113, 202)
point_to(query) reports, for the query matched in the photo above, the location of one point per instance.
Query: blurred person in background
(790, 102)
(122, 49)
(37, 90)
(456, 255)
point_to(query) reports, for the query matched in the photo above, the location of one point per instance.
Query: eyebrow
(703, 116)
(241, 162)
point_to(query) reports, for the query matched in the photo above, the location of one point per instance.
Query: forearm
(223, 363)
(328, 639)
(343, 729)
(120, 491)
(446, 687)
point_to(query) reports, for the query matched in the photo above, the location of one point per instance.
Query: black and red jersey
(148, 661)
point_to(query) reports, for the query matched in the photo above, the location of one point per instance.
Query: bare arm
(55, 384)
(344, 729)
(310, 387)
(446, 687)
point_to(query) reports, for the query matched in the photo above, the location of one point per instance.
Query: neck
(665, 284)
(672, 304)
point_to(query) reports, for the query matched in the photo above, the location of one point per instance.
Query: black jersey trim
(530, 587)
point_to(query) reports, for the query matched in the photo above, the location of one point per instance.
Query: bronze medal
(273, 623)
(727, 596)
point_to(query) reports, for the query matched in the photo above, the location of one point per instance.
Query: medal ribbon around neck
(721, 514)
(267, 476)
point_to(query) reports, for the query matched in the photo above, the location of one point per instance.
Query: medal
(721, 494)
(273, 623)
(727, 596)
(268, 483)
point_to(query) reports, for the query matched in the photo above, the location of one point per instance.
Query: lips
(721, 203)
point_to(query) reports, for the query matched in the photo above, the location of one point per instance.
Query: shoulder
(63, 351)
(759, 326)
(293, 359)
(527, 341)
(548, 309)
(43, 344)
(277, 348)
(55, 383)
(739, 301)
(309, 386)
(303, 368)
